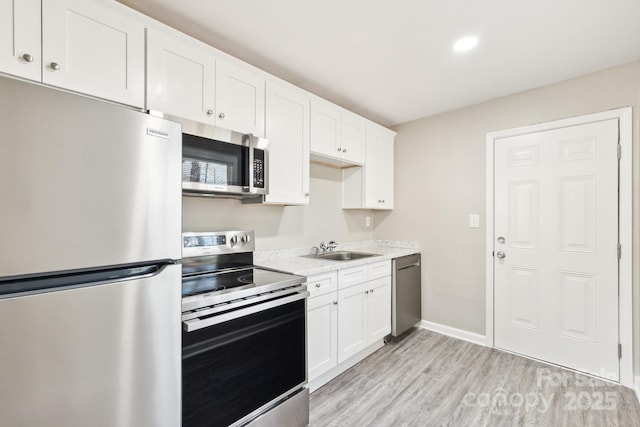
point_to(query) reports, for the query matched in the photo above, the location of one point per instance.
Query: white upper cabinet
(287, 128)
(20, 38)
(353, 137)
(93, 47)
(240, 98)
(371, 186)
(325, 128)
(180, 76)
(337, 135)
(378, 180)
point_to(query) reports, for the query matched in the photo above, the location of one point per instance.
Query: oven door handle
(195, 324)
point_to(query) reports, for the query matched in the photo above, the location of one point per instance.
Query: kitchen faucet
(325, 247)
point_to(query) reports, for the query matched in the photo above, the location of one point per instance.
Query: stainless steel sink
(341, 255)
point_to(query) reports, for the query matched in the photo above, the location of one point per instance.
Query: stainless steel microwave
(221, 163)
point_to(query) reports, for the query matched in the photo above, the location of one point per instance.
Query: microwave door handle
(250, 142)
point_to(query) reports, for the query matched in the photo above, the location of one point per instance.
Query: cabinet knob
(366, 292)
(344, 150)
(317, 285)
(339, 149)
(209, 113)
(54, 66)
(221, 116)
(27, 57)
(371, 291)
(306, 194)
(335, 303)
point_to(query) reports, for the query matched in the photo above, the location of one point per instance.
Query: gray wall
(440, 180)
(279, 227)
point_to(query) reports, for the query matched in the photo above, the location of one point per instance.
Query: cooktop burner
(252, 277)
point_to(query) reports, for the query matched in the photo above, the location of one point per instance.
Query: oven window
(214, 162)
(232, 369)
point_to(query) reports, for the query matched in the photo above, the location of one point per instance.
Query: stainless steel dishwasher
(406, 294)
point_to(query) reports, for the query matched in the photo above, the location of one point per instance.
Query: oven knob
(246, 238)
(234, 240)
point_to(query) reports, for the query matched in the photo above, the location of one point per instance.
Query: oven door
(236, 370)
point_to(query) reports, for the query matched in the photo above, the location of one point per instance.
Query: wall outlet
(367, 221)
(474, 221)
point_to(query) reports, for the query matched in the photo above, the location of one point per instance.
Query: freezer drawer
(103, 356)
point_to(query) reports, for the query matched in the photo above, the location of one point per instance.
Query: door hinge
(619, 251)
(619, 351)
(619, 151)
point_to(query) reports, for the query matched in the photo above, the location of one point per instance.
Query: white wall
(440, 180)
(284, 226)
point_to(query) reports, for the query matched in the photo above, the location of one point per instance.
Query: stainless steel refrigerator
(90, 223)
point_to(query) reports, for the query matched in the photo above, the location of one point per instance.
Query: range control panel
(217, 242)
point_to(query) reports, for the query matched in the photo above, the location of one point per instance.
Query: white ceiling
(391, 61)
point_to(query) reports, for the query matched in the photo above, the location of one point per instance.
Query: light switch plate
(474, 221)
(367, 221)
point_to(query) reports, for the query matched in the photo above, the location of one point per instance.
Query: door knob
(501, 254)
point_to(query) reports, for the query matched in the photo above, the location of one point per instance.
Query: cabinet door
(352, 315)
(378, 309)
(384, 166)
(240, 94)
(20, 38)
(93, 47)
(287, 128)
(378, 181)
(322, 329)
(353, 138)
(180, 76)
(325, 128)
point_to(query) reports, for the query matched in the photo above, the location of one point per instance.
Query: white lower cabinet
(322, 330)
(378, 309)
(352, 330)
(345, 322)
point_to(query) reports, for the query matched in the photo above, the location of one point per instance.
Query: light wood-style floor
(427, 379)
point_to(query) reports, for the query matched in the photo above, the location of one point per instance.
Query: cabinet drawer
(379, 269)
(352, 276)
(320, 284)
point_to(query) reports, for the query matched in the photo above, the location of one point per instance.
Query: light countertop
(292, 260)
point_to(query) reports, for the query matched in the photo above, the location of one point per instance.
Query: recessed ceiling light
(465, 43)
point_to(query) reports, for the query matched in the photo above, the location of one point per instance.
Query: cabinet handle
(209, 113)
(27, 57)
(54, 66)
(317, 285)
(221, 116)
(335, 303)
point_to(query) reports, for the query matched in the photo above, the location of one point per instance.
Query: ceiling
(391, 61)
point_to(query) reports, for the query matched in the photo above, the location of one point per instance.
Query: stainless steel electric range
(244, 345)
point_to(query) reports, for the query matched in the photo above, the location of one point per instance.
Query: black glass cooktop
(245, 278)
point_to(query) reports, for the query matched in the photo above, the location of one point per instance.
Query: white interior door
(555, 240)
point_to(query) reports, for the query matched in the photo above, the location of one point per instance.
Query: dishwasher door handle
(416, 264)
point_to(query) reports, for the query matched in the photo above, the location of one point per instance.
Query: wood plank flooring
(427, 379)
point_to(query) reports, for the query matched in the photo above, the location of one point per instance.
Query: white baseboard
(636, 387)
(460, 334)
